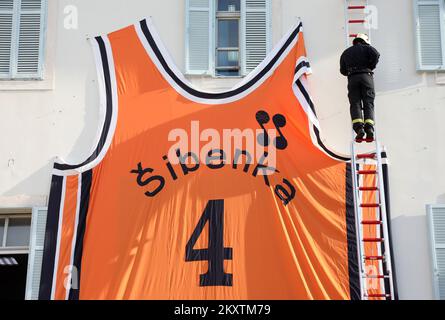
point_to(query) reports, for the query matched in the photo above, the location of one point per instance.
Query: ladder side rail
(379, 231)
(347, 22)
(358, 222)
(384, 219)
(369, 26)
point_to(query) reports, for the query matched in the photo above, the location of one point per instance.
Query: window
(436, 224)
(228, 18)
(22, 237)
(14, 246)
(430, 30)
(14, 231)
(226, 37)
(22, 26)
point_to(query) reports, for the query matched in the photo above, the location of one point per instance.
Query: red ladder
(356, 19)
(377, 226)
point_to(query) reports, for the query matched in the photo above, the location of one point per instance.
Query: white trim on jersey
(102, 108)
(182, 78)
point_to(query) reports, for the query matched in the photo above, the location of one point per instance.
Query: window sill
(27, 85)
(14, 250)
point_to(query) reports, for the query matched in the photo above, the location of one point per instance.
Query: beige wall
(61, 117)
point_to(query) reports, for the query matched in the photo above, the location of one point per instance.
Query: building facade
(53, 110)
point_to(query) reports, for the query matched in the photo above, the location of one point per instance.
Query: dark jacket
(360, 58)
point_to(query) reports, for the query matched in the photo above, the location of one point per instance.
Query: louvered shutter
(6, 25)
(38, 225)
(198, 36)
(430, 24)
(30, 38)
(256, 33)
(22, 25)
(436, 217)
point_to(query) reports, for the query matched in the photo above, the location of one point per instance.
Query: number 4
(215, 254)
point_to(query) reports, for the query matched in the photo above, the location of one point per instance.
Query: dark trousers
(361, 98)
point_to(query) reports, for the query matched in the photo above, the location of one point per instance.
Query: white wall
(61, 118)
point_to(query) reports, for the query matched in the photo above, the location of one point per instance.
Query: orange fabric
(135, 246)
(67, 233)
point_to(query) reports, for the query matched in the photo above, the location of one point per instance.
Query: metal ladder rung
(373, 239)
(370, 205)
(367, 172)
(371, 222)
(373, 258)
(366, 156)
(357, 21)
(364, 140)
(368, 189)
(376, 276)
(356, 7)
(378, 295)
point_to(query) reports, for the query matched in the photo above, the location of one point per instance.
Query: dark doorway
(13, 268)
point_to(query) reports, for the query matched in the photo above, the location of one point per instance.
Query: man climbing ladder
(358, 63)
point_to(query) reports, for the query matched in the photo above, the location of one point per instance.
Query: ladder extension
(369, 194)
(355, 19)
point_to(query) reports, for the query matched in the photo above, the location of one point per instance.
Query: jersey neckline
(159, 55)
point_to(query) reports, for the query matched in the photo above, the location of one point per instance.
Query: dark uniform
(358, 63)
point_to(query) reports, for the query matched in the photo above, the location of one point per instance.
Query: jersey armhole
(108, 109)
(299, 87)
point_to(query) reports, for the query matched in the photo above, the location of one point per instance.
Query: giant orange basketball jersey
(128, 223)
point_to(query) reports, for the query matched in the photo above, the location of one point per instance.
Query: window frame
(419, 64)
(16, 249)
(211, 9)
(15, 37)
(433, 246)
(227, 15)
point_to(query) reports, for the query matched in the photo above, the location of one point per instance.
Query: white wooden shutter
(22, 29)
(436, 219)
(256, 33)
(430, 24)
(199, 21)
(29, 53)
(6, 25)
(38, 225)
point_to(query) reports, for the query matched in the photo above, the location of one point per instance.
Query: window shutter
(198, 36)
(6, 24)
(38, 225)
(430, 34)
(22, 25)
(436, 217)
(29, 47)
(256, 33)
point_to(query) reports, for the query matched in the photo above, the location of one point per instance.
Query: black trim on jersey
(222, 95)
(316, 131)
(301, 65)
(50, 243)
(353, 259)
(108, 114)
(87, 177)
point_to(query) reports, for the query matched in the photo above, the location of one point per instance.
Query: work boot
(358, 128)
(360, 134)
(369, 129)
